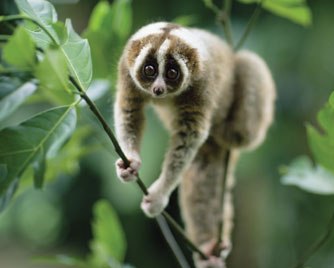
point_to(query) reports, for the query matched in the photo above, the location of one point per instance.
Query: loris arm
(129, 124)
(190, 129)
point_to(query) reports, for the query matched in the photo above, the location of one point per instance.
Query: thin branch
(250, 25)
(317, 245)
(171, 241)
(224, 18)
(222, 197)
(120, 152)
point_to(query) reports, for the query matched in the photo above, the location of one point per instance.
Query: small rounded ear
(133, 51)
(192, 56)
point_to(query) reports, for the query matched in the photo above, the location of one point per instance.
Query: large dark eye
(149, 70)
(172, 74)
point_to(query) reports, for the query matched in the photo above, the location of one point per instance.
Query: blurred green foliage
(274, 224)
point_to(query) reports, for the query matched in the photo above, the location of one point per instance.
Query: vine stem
(317, 245)
(140, 183)
(176, 250)
(225, 15)
(222, 197)
(249, 25)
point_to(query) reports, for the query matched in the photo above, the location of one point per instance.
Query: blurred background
(275, 224)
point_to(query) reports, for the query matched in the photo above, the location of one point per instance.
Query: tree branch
(222, 200)
(249, 25)
(223, 16)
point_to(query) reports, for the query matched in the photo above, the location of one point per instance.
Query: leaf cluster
(37, 62)
(45, 60)
(317, 179)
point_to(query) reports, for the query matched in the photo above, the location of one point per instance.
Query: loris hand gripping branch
(211, 100)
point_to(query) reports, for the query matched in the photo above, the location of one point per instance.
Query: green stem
(249, 25)
(180, 231)
(171, 241)
(222, 197)
(318, 244)
(225, 15)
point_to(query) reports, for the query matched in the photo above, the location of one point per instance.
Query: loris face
(163, 59)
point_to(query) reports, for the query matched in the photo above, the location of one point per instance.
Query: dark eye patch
(172, 74)
(149, 70)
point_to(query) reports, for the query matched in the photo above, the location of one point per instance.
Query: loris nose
(158, 91)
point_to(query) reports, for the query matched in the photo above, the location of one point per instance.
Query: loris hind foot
(216, 252)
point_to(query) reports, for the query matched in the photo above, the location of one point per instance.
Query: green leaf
(77, 53)
(294, 10)
(45, 14)
(109, 27)
(315, 180)
(322, 144)
(39, 167)
(16, 96)
(3, 171)
(8, 7)
(331, 100)
(186, 20)
(20, 50)
(53, 77)
(20, 145)
(75, 49)
(66, 161)
(8, 85)
(99, 13)
(120, 18)
(61, 31)
(8, 194)
(109, 239)
(114, 19)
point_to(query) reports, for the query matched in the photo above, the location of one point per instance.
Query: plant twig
(224, 18)
(222, 197)
(171, 241)
(317, 245)
(120, 152)
(250, 25)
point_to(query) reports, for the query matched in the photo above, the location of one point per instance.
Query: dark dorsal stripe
(166, 31)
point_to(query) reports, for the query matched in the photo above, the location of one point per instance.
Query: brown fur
(227, 104)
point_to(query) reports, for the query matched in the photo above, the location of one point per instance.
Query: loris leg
(251, 112)
(201, 206)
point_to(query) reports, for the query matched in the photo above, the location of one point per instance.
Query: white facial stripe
(154, 28)
(161, 56)
(184, 69)
(138, 62)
